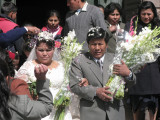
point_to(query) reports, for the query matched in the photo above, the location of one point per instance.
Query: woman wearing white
(42, 53)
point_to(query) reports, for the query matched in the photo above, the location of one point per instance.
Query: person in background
(95, 102)
(145, 93)
(27, 48)
(16, 62)
(8, 18)
(81, 17)
(113, 13)
(53, 26)
(101, 7)
(16, 102)
(13, 35)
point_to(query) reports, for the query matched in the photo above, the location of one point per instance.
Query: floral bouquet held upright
(135, 51)
(115, 82)
(70, 49)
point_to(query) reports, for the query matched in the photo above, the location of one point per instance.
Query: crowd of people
(25, 58)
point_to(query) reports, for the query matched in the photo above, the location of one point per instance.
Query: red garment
(59, 29)
(6, 24)
(20, 87)
(57, 44)
(53, 30)
(11, 55)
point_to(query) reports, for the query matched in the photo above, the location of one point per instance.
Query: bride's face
(44, 54)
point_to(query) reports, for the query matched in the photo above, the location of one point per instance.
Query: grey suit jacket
(81, 23)
(23, 108)
(91, 107)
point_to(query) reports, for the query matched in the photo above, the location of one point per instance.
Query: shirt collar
(84, 8)
(101, 59)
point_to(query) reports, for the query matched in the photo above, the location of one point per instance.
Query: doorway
(34, 12)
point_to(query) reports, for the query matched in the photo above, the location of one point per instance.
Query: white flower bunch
(135, 51)
(70, 49)
(45, 35)
(70, 37)
(92, 30)
(141, 48)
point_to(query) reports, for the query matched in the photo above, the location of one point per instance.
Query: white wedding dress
(56, 77)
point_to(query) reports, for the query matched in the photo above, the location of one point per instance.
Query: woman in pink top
(53, 26)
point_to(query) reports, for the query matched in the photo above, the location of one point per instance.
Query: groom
(95, 102)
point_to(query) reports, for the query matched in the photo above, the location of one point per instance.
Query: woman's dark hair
(8, 7)
(149, 5)
(100, 6)
(155, 22)
(97, 33)
(27, 47)
(4, 91)
(83, 0)
(110, 9)
(5, 56)
(1, 31)
(49, 43)
(53, 13)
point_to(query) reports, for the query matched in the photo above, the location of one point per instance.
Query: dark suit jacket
(91, 107)
(11, 36)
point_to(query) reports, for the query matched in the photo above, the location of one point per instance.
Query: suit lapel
(95, 69)
(107, 62)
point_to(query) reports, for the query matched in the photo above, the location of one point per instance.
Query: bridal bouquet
(69, 50)
(135, 51)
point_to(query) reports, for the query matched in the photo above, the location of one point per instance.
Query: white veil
(32, 55)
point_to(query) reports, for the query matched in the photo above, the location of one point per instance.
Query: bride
(43, 53)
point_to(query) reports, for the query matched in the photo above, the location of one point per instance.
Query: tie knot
(99, 61)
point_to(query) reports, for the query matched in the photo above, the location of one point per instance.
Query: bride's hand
(40, 72)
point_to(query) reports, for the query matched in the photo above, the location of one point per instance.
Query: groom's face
(97, 47)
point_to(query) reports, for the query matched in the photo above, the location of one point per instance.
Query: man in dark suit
(95, 102)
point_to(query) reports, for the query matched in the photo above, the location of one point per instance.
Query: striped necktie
(99, 62)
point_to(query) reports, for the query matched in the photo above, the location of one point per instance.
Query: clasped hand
(103, 94)
(40, 71)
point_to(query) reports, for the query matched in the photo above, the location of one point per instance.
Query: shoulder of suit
(78, 58)
(92, 7)
(110, 55)
(82, 57)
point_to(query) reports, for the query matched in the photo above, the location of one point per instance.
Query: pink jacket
(6, 24)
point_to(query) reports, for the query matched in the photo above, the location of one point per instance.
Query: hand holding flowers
(121, 69)
(135, 51)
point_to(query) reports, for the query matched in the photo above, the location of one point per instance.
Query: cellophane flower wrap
(70, 49)
(135, 51)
